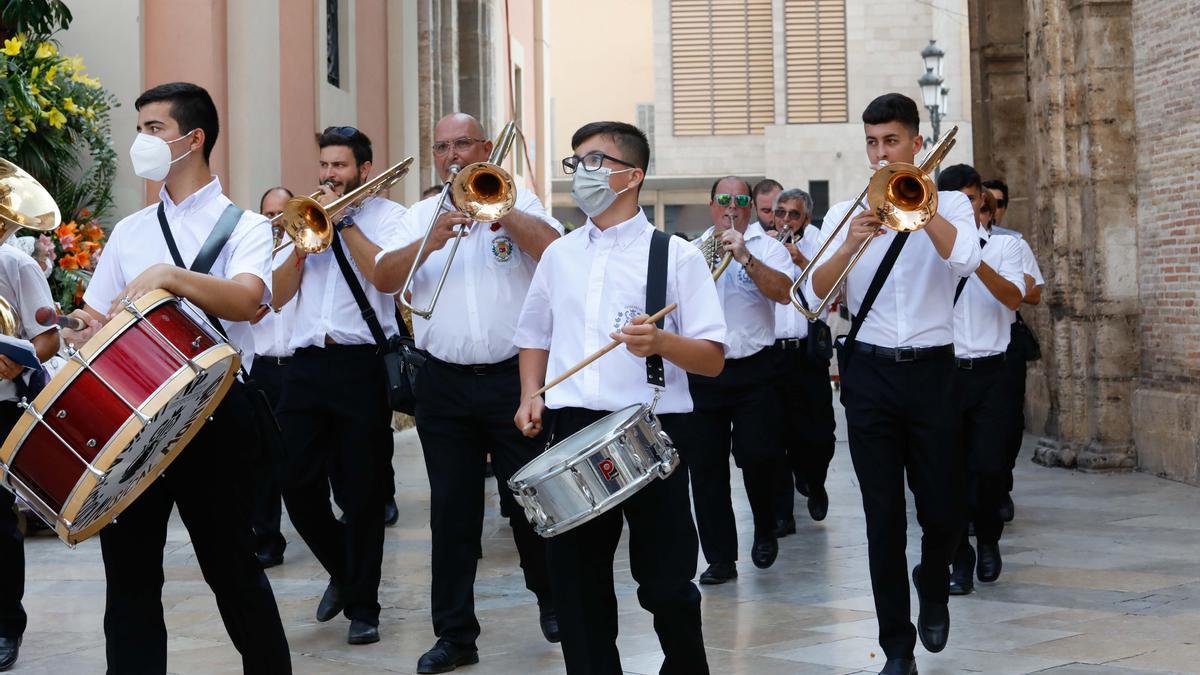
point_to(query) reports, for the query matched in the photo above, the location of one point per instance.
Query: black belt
(507, 365)
(905, 354)
(790, 344)
(277, 360)
(972, 364)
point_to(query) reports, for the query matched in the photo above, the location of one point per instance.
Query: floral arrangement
(56, 126)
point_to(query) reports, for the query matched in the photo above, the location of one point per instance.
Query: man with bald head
(469, 386)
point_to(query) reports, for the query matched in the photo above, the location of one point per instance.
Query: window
(722, 67)
(333, 60)
(819, 191)
(815, 44)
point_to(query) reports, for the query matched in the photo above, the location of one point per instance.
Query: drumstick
(600, 352)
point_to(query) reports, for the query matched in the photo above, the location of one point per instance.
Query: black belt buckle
(905, 354)
(479, 368)
(965, 364)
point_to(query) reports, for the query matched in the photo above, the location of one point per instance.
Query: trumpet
(711, 250)
(484, 191)
(907, 200)
(309, 224)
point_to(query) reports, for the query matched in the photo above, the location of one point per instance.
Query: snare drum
(116, 414)
(594, 470)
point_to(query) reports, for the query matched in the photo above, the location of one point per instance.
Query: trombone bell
(907, 197)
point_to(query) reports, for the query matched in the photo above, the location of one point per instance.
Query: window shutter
(815, 43)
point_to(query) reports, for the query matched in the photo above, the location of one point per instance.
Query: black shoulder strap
(356, 289)
(656, 297)
(885, 268)
(963, 281)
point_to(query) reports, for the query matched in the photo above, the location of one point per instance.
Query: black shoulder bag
(820, 339)
(846, 348)
(1023, 335)
(401, 360)
(269, 433)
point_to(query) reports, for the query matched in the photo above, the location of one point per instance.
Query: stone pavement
(1100, 576)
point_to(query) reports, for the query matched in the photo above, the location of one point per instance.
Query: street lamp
(932, 91)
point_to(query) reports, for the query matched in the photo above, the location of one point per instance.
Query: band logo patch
(625, 316)
(607, 468)
(743, 277)
(502, 248)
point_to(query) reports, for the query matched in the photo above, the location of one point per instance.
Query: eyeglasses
(590, 162)
(740, 201)
(459, 144)
(347, 132)
(790, 214)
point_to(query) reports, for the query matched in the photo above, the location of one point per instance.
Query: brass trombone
(484, 191)
(907, 200)
(711, 250)
(24, 203)
(309, 225)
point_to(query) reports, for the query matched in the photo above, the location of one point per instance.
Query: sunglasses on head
(345, 132)
(740, 201)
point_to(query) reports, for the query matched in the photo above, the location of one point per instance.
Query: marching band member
(271, 336)
(983, 308)
(737, 409)
(334, 412)
(897, 387)
(467, 386)
(765, 193)
(806, 423)
(24, 288)
(177, 125)
(590, 287)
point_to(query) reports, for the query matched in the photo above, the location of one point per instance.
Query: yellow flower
(12, 46)
(45, 50)
(33, 74)
(70, 106)
(85, 80)
(50, 74)
(8, 115)
(56, 118)
(33, 89)
(43, 101)
(28, 122)
(89, 113)
(74, 63)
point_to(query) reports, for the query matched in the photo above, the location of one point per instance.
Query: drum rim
(516, 484)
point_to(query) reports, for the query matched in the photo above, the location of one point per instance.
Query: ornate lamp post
(932, 91)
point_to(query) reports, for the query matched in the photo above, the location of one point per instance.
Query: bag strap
(356, 289)
(963, 281)
(885, 268)
(656, 298)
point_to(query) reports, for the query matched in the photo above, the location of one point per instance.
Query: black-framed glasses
(590, 162)
(740, 201)
(789, 214)
(345, 132)
(459, 144)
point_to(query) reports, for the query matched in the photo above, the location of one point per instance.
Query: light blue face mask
(592, 192)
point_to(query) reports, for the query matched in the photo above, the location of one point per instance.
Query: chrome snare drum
(594, 470)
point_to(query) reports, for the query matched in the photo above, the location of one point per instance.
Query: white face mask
(151, 156)
(592, 192)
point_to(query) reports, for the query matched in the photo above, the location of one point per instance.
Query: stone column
(1081, 145)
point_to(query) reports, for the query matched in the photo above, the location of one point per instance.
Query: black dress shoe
(331, 603)
(764, 551)
(962, 580)
(362, 633)
(445, 657)
(818, 503)
(548, 619)
(1007, 509)
(933, 620)
(900, 666)
(718, 573)
(785, 526)
(391, 513)
(9, 648)
(802, 487)
(990, 563)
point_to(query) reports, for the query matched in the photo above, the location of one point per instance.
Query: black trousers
(805, 425)
(662, 559)
(212, 496)
(738, 410)
(1015, 365)
(987, 421)
(901, 422)
(335, 416)
(461, 416)
(12, 548)
(269, 374)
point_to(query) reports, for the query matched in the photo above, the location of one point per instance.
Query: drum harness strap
(656, 299)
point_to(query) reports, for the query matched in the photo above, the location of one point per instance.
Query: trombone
(484, 191)
(309, 224)
(24, 203)
(907, 199)
(711, 250)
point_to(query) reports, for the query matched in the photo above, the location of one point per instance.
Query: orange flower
(83, 259)
(93, 232)
(91, 247)
(85, 213)
(68, 262)
(67, 230)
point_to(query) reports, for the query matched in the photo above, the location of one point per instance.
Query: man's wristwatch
(344, 223)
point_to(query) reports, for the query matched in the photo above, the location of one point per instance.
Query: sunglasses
(345, 132)
(790, 214)
(740, 201)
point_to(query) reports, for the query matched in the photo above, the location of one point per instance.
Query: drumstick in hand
(600, 352)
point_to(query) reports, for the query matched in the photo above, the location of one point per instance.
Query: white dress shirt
(789, 322)
(749, 315)
(137, 243)
(914, 306)
(476, 314)
(588, 285)
(324, 304)
(24, 286)
(273, 333)
(981, 322)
